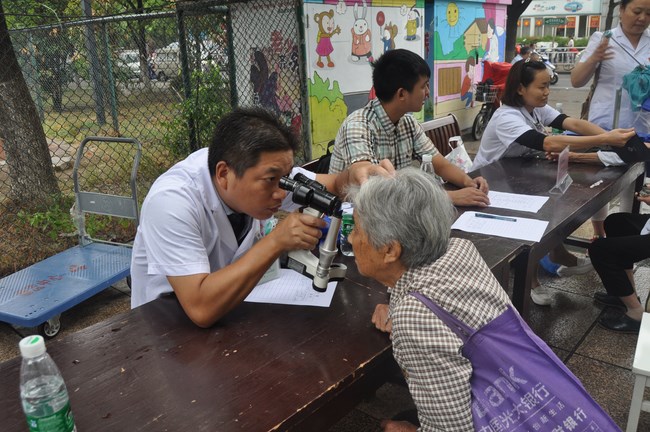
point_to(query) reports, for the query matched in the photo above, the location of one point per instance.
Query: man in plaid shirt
(383, 129)
(418, 256)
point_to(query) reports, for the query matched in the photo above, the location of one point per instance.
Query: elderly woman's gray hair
(410, 208)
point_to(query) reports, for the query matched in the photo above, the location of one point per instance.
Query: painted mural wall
(464, 34)
(268, 58)
(341, 39)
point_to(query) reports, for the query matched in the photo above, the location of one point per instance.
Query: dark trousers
(623, 246)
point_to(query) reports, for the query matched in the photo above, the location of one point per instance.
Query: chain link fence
(163, 78)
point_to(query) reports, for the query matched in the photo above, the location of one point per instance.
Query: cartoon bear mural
(325, 22)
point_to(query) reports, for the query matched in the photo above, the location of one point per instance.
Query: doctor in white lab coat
(201, 232)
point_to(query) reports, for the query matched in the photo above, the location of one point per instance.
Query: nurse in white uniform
(518, 129)
(610, 56)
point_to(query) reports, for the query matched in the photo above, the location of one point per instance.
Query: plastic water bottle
(347, 225)
(427, 166)
(558, 107)
(42, 390)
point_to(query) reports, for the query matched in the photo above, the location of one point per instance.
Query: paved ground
(602, 360)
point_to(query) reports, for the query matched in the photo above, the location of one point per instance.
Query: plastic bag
(459, 155)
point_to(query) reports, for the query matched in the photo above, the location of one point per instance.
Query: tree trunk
(28, 157)
(514, 12)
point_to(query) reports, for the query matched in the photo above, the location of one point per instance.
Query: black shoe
(609, 300)
(620, 323)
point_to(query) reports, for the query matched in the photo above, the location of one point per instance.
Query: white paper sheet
(520, 228)
(291, 288)
(519, 202)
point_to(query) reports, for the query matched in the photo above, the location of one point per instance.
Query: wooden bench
(440, 130)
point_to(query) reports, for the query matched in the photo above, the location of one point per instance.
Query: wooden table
(262, 367)
(273, 367)
(565, 213)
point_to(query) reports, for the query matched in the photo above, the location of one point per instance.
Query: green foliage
(209, 101)
(582, 42)
(560, 41)
(56, 221)
(53, 221)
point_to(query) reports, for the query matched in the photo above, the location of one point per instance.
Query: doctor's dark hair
(521, 73)
(398, 68)
(242, 135)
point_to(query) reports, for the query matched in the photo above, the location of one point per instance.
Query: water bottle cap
(427, 158)
(32, 346)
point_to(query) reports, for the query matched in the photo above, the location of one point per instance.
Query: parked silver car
(128, 62)
(166, 62)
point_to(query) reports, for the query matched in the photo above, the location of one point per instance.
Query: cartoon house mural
(460, 31)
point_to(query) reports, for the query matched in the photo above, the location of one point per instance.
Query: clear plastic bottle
(427, 166)
(347, 224)
(558, 107)
(42, 390)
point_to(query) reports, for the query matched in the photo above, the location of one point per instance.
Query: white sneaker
(584, 266)
(541, 296)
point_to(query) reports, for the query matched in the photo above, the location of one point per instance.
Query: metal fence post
(304, 91)
(111, 80)
(95, 68)
(185, 74)
(232, 70)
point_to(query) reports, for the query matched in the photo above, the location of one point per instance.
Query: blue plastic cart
(37, 295)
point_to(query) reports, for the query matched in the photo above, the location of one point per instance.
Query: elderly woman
(401, 239)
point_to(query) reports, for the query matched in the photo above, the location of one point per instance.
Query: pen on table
(491, 216)
(595, 184)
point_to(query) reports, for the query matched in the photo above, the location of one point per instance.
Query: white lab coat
(184, 229)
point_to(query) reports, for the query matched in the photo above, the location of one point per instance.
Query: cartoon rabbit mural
(361, 36)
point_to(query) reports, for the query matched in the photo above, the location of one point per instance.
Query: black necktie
(239, 222)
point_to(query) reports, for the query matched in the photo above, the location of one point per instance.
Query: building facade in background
(583, 18)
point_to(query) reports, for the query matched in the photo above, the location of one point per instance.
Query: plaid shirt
(426, 349)
(368, 134)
